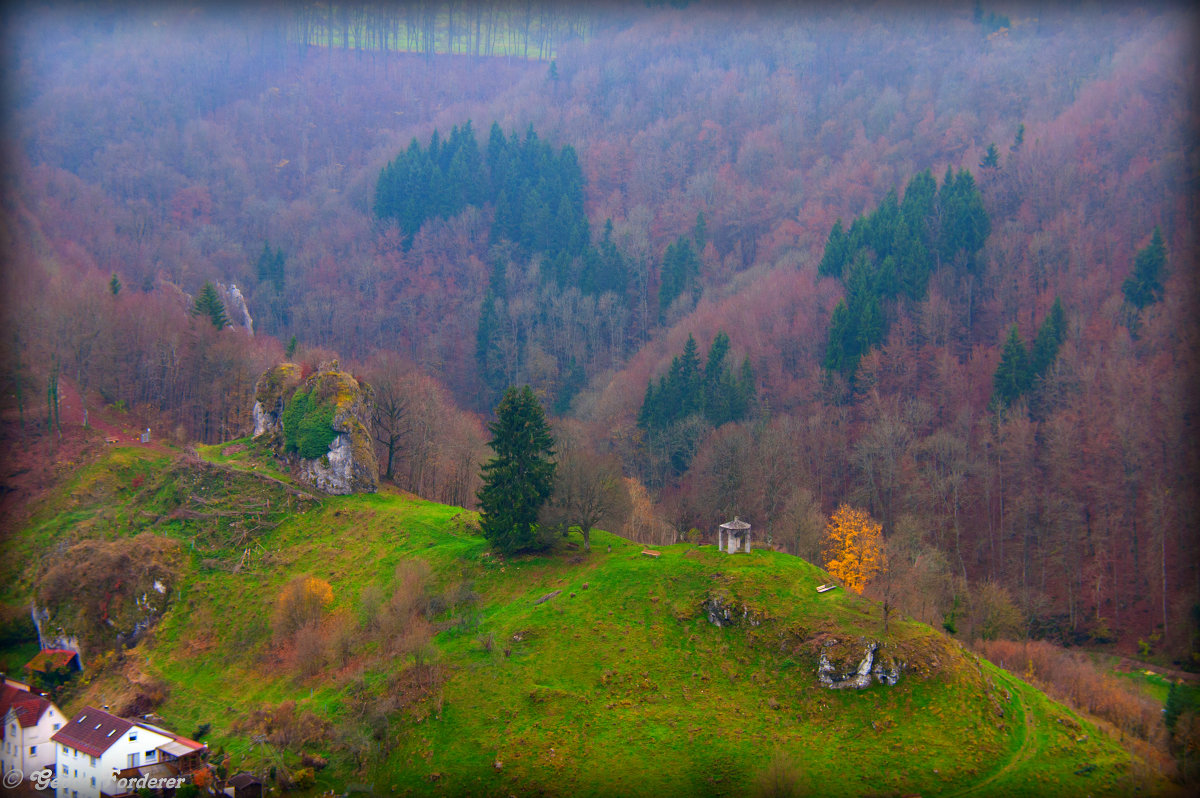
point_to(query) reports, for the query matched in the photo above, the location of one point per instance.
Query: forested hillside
(940, 259)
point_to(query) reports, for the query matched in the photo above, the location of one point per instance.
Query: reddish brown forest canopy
(170, 149)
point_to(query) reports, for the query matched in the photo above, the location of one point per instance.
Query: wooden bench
(826, 588)
(649, 553)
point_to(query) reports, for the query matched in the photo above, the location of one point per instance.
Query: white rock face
(235, 306)
(260, 419)
(338, 475)
(46, 639)
(860, 677)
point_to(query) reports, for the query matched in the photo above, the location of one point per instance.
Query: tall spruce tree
(1144, 286)
(1049, 338)
(209, 305)
(520, 478)
(1012, 375)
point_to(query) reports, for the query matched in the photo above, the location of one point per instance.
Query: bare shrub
(309, 652)
(643, 524)
(993, 615)
(147, 697)
(284, 727)
(370, 600)
(344, 638)
(402, 622)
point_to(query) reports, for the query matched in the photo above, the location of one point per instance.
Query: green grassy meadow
(619, 684)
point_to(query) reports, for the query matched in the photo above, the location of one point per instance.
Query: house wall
(76, 771)
(16, 752)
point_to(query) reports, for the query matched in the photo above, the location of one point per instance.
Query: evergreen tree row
(536, 191)
(713, 391)
(440, 181)
(891, 253)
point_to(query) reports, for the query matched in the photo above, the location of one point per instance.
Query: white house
(99, 754)
(28, 722)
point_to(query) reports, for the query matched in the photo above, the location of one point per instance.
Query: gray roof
(736, 523)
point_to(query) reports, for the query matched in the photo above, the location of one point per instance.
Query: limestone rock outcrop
(722, 609)
(336, 408)
(855, 664)
(271, 392)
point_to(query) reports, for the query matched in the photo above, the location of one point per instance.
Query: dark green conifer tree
(840, 350)
(1012, 375)
(1049, 338)
(991, 160)
(837, 253)
(680, 270)
(1144, 285)
(519, 479)
(209, 305)
(1019, 139)
(700, 232)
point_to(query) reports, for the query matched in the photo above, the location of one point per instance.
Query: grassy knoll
(618, 684)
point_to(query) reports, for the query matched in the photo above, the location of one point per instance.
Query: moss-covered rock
(321, 425)
(271, 392)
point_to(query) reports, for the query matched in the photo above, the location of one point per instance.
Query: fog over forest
(933, 261)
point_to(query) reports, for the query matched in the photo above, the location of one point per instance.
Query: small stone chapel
(733, 537)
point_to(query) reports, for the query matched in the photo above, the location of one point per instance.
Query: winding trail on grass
(1023, 754)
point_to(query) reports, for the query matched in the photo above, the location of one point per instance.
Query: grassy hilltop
(436, 669)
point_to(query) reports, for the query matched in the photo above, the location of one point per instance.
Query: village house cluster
(94, 754)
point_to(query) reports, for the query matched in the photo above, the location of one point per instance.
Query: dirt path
(112, 425)
(1025, 752)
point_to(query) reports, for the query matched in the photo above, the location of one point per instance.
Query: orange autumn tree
(301, 604)
(854, 547)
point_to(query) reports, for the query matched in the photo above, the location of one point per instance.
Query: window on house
(132, 736)
(135, 759)
(93, 761)
(33, 750)
(150, 755)
(57, 726)
(93, 781)
(65, 751)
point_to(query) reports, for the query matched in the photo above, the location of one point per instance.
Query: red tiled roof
(92, 731)
(12, 693)
(180, 742)
(50, 658)
(29, 710)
